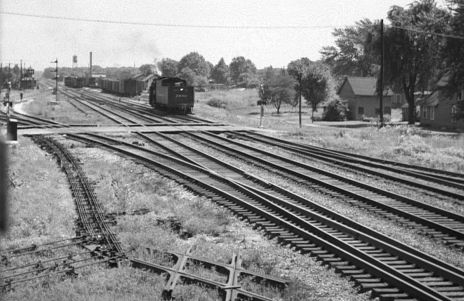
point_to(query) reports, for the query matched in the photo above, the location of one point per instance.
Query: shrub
(335, 111)
(216, 102)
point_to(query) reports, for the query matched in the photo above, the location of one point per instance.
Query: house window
(377, 111)
(360, 110)
(432, 113)
(454, 111)
(424, 111)
(387, 110)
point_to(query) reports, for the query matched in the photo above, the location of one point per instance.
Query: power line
(170, 25)
(216, 26)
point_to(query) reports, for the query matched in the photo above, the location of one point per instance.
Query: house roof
(363, 86)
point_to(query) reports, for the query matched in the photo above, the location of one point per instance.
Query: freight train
(75, 82)
(171, 94)
(124, 87)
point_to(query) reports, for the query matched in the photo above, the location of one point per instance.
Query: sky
(223, 28)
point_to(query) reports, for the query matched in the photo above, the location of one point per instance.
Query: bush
(217, 102)
(335, 111)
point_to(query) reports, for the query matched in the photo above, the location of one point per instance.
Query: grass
(41, 207)
(43, 105)
(215, 234)
(401, 143)
(407, 236)
(427, 197)
(96, 283)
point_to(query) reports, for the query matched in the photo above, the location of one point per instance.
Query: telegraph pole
(381, 73)
(299, 99)
(56, 79)
(20, 72)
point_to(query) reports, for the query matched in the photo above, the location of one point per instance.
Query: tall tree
(314, 81)
(195, 62)
(188, 75)
(220, 72)
(317, 85)
(168, 67)
(241, 69)
(454, 52)
(147, 69)
(350, 57)
(277, 88)
(412, 55)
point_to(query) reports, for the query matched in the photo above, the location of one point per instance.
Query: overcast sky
(38, 41)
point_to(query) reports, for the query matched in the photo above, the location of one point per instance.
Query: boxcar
(75, 82)
(171, 94)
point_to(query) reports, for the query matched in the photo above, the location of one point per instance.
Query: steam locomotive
(171, 94)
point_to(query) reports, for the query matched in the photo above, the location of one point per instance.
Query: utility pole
(381, 73)
(56, 79)
(299, 98)
(20, 72)
(90, 69)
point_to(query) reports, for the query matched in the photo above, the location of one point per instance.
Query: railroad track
(391, 270)
(130, 114)
(93, 234)
(413, 170)
(144, 109)
(30, 121)
(91, 213)
(418, 180)
(435, 222)
(44, 261)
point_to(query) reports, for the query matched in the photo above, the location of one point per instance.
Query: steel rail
(90, 211)
(148, 109)
(261, 210)
(301, 170)
(342, 161)
(438, 178)
(426, 170)
(267, 186)
(5, 285)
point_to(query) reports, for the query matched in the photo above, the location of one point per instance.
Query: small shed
(363, 101)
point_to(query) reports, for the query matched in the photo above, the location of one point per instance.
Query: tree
(454, 52)
(335, 111)
(168, 67)
(412, 57)
(220, 72)
(195, 62)
(147, 69)
(316, 85)
(210, 68)
(241, 69)
(188, 75)
(314, 81)
(248, 80)
(277, 88)
(350, 56)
